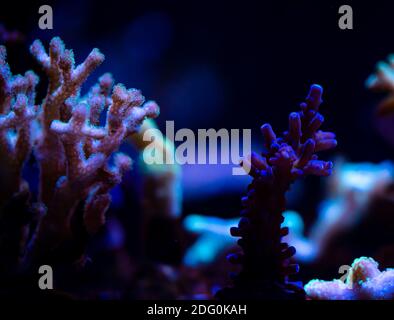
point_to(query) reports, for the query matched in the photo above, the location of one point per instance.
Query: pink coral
(17, 112)
(364, 281)
(74, 152)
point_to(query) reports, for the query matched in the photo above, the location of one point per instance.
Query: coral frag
(265, 260)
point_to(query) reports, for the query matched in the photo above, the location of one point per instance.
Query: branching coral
(17, 111)
(265, 260)
(364, 281)
(74, 152)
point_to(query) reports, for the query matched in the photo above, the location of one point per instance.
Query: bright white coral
(364, 281)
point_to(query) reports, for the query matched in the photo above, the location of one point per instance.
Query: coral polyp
(265, 260)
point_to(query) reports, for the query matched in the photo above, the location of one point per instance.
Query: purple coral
(264, 259)
(364, 281)
(77, 157)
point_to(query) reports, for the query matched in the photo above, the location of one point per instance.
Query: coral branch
(76, 154)
(65, 81)
(71, 128)
(17, 112)
(265, 260)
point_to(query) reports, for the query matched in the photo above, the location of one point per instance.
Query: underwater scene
(196, 150)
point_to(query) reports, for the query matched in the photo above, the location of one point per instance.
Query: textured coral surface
(364, 281)
(265, 260)
(77, 154)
